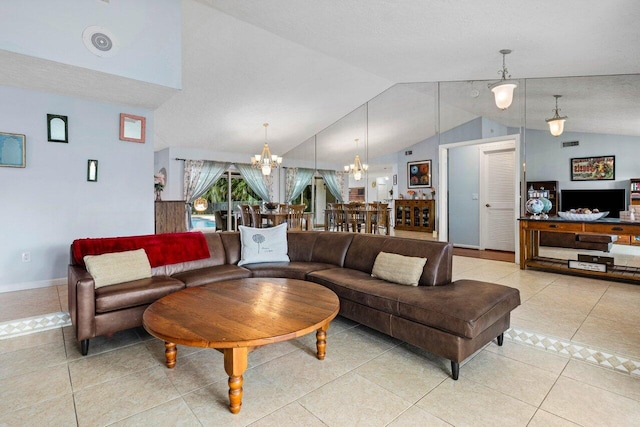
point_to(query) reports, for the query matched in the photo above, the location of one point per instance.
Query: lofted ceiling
(301, 65)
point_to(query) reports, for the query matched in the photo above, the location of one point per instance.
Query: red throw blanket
(162, 249)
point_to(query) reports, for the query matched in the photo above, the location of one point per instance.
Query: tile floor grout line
(589, 314)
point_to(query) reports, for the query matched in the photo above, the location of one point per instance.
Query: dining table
(368, 214)
(276, 218)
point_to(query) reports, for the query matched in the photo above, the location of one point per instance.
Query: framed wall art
(13, 153)
(593, 168)
(57, 128)
(419, 174)
(132, 128)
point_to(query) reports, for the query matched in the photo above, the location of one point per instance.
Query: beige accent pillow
(118, 267)
(404, 270)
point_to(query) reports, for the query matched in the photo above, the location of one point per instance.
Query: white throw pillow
(263, 244)
(118, 267)
(404, 270)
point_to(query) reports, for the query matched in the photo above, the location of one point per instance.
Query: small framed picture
(395, 179)
(132, 128)
(92, 170)
(13, 153)
(57, 128)
(419, 174)
(593, 168)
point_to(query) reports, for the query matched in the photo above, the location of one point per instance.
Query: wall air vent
(566, 144)
(408, 153)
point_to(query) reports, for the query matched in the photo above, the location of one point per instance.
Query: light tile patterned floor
(558, 366)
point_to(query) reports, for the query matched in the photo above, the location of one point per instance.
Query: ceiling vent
(99, 41)
(566, 144)
(408, 153)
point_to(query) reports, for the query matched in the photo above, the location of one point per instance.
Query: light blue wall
(48, 204)
(148, 34)
(548, 161)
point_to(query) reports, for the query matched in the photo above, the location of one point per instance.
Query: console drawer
(611, 228)
(555, 226)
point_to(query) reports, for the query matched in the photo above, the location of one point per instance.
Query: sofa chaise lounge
(450, 319)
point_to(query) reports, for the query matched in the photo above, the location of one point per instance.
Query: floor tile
(354, 400)
(511, 377)
(467, 403)
(58, 411)
(21, 391)
(197, 370)
(118, 399)
(173, 413)
(545, 419)
(607, 379)
(619, 337)
(404, 373)
(619, 304)
(31, 359)
(415, 416)
(99, 344)
(590, 406)
(21, 304)
(531, 356)
(103, 367)
(31, 340)
(157, 349)
(291, 415)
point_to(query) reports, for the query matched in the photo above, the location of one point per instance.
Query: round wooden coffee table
(238, 316)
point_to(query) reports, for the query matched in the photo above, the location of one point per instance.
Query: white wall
(52, 30)
(49, 203)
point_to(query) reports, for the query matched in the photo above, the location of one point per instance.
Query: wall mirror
(92, 170)
(132, 128)
(57, 128)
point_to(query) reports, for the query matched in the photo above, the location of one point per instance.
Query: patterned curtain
(297, 180)
(333, 183)
(199, 176)
(255, 180)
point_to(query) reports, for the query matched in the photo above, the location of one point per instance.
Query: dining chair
(245, 215)
(283, 208)
(296, 217)
(356, 218)
(256, 217)
(221, 223)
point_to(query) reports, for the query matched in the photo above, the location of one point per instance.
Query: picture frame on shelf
(132, 128)
(419, 174)
(57, 128)
(602, 168)
(13, 150)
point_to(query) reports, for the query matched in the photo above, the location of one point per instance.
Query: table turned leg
(321, 341)
(170, 353)
(235, 363)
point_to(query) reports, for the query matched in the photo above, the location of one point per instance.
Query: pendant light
(556, 123)
(266, 161)
(357, 167)
(503, 90)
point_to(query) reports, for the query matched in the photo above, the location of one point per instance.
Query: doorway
(477, 199)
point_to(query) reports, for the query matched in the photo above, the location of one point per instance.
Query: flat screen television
(612, 200)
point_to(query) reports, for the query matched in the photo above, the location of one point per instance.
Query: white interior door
(497, 189)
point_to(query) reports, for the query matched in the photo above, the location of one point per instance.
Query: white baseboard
(33, 285)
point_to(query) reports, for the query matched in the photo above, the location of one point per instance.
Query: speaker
(99, 41)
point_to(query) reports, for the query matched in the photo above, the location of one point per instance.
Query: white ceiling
(303, 64)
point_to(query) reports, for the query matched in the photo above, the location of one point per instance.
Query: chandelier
(265, 161)
(503, 90)
(356, 168)
(556, 123)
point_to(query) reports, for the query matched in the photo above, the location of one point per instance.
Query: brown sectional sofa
(451, 319)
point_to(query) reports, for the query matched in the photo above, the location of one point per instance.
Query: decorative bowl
(270, 205)
(582, 217)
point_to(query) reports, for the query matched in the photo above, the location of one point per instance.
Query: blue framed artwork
(419, 174)
(12, 150)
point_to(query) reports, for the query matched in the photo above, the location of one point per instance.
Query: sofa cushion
(331, 248)
(216, 273)
(404, 270)
(289, 270)
(263, 244)
(135, 293)
(118, 267)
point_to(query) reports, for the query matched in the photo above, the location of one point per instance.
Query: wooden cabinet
(415, 215)
(634, 192)
(539, 188)
(170, 217)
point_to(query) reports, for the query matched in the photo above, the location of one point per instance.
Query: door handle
(488, 205)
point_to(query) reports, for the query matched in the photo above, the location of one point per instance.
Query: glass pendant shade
(503, 92)
(556, 123)
(357, 167)
(266, 161)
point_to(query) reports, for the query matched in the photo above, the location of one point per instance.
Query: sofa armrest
(82, 302)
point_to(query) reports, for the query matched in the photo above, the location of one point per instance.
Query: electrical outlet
(26, 256)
